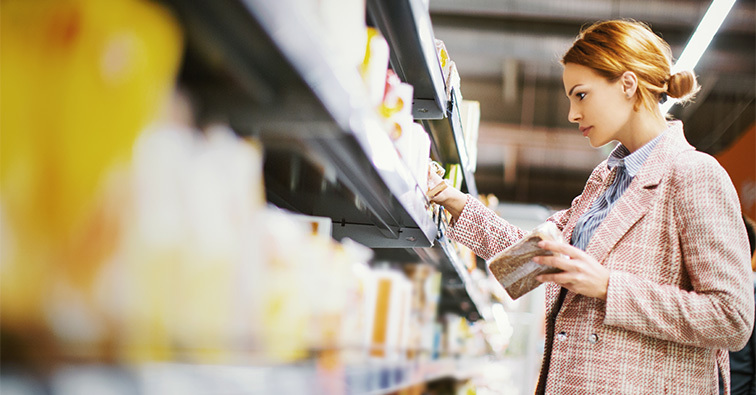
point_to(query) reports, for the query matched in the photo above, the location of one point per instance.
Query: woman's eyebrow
(572, 89)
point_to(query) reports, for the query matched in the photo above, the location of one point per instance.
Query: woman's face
(601, 108)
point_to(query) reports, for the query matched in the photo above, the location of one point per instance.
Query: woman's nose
(573, 116)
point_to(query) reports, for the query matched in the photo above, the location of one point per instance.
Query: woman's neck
(642, 128)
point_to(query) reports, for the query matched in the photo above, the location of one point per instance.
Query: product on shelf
(344, 29)
(453, 84)
(443, 57)
(80, 80)
(414, 146)
(375, 66)
(391, 323)
(191, 247)
(469, 111)
(450, 73)
(454, 175)
(396, 108)
(457, 331)
(410, 139)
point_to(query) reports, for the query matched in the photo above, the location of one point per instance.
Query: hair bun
(682, 85)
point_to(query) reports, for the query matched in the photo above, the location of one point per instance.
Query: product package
(514, 268)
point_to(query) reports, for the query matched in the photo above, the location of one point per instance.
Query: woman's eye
(580, 96)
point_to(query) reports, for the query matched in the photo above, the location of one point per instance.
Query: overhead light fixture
(700, 40)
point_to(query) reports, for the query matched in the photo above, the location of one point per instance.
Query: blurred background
(230, 196)
(508, 52)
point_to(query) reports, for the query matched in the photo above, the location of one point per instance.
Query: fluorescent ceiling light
(700, 40)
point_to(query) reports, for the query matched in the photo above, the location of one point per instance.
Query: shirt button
(562, 336)
(593, 338)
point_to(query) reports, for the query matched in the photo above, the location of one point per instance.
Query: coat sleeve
(719, 311)
(486, 233)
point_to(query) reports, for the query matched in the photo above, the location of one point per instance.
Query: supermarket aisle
(230, 197)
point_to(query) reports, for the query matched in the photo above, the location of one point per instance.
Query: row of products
(199, 269)
(469, 110)
(84, 80)
(129, 239)
(392, 100)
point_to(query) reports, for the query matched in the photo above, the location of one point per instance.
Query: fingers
(555, 261)
(563, 248)
(434, 179)
(580, 272)
(557, 278)
(436, 190)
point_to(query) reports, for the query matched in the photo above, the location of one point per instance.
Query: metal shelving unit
(373, 378)
(261, 66)
(327, 154)
(450, 143)
(406, 25)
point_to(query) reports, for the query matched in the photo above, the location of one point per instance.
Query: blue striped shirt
(625, 166)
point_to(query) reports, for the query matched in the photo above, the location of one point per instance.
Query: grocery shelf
(449, 142)
(468, 299)
(406, 25)
(472, 290)
(263, 67)
(460, 293)
(305, 378)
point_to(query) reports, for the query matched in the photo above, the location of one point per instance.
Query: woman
(656, 288)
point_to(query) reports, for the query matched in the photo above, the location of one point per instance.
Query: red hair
(613, 47)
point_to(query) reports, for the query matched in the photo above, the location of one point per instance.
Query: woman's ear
(629, 82)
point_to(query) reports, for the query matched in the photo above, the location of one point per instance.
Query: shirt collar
(632, 162)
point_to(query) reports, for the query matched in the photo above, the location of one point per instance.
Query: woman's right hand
(441, 193)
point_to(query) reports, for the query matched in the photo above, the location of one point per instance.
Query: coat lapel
(639, 197)
(596, 185)
(630, 208)
(640, 194)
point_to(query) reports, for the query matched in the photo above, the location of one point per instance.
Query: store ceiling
(507, 53)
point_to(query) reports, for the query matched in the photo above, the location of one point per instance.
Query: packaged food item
(443, 57)
(414, 148)
(426, 290)
(450, 72)
(469, 112)
(514, 267)
(375, 65)
(392, 306)
(396, 108)
(344, 30)
(453, 83)
(84, 79)
(454, 175)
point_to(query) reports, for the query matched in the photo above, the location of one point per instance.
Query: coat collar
(637, 199)
(671, 143)
(640, 194)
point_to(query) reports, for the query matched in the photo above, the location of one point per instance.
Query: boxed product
(514, 267)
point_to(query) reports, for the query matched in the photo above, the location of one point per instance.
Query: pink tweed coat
(680, 291)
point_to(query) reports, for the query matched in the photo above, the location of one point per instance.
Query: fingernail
(537, 259)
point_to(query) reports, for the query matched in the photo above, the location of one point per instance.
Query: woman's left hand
(581, 272)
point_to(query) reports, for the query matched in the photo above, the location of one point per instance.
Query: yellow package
(80, 79)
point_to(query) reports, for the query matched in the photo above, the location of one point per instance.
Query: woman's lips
(586, 130)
